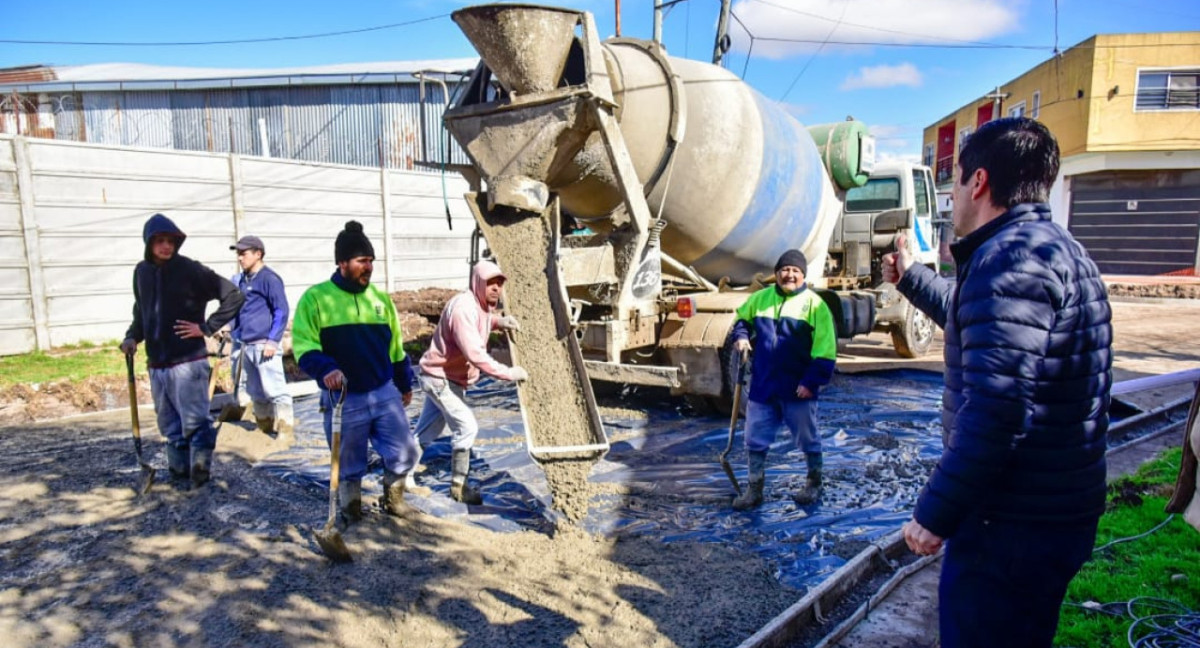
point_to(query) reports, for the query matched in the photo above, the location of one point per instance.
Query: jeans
(266, 383)
(376, 417)
(1003, 582)
(445, 404)
(181, 401)
(763, 421)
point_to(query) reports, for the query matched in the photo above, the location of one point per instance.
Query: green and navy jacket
(795, 342)
(341, 325)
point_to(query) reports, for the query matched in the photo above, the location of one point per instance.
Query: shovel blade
(147, 480)
(333, 545)
(729, 473)
(231, 412)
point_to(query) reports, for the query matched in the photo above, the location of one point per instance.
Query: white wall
(71, 218)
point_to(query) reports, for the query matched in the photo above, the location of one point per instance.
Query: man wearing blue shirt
(258, 330)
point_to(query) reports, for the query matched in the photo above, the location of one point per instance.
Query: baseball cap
(248, 243)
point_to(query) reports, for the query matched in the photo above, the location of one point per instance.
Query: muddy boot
(752, 497)
(349, 503)
(460, 490)
(812, 486)
(284, 428)
(265, 424)
(178, 462)
(392, 501)
(201, 466)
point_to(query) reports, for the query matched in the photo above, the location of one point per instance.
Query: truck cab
(898, 198)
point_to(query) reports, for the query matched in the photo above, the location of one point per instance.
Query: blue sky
(898, 65)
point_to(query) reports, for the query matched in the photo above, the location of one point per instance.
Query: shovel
(739, 375)
(212, 375)
(147, 469)
(330, 538)
(234, 411)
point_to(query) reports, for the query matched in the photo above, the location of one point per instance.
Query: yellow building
(1125, 109)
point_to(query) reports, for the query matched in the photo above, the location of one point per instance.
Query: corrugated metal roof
(137, 76)
(26, 74)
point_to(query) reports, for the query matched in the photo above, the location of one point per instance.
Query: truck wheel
(913, 336)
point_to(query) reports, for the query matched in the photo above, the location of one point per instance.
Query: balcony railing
(945, 170)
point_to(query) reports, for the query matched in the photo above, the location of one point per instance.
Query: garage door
(1138, 222)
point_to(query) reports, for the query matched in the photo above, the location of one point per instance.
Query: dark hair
(1020, 156)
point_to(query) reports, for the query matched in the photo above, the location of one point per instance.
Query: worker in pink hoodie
(456, 356)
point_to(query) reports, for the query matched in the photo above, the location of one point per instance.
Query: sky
(897, 65)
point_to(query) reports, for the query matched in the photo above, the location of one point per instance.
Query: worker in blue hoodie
(170, 293)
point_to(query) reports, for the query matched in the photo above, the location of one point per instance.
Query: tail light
(685, 307)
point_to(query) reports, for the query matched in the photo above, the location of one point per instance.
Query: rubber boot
(410, 480)
(266, 424)
(201, 466)
(812, 485)
(752, 497)
(178, 462)
(349, 503)
(460, 490)
(392, 501)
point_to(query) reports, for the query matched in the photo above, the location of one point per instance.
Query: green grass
(1163, 565)
(66, 363)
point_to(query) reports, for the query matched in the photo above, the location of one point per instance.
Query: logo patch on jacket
(379, 311)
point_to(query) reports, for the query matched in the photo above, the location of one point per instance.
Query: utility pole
(722, 33)
(658, 21)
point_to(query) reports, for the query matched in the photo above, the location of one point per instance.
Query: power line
(814, 54)
(241, 41)
(871, 27)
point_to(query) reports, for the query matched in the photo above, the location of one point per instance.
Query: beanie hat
(352, 243)
(793, 258)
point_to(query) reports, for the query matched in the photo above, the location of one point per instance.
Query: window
(1037, 105)
(877, 195)
(1018, 110)
(1168, 90)
(963, 135)
(921, 193)
(927, 160)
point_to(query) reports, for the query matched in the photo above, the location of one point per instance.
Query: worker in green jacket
(791, 331)
(346, 335)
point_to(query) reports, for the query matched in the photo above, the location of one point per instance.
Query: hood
(159, 224)
(480, 275)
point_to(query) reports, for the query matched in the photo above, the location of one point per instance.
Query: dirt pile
(26, 403)
(1158, 290)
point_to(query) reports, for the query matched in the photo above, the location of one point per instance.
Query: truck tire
(723, 404)
(913, 336)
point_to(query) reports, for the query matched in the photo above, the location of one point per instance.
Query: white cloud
(883, 76)
(867, 21)
(884, 157)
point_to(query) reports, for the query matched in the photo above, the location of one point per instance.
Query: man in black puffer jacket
(170, 292)
(1020, 485)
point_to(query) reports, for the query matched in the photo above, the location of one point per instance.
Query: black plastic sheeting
(661, 478)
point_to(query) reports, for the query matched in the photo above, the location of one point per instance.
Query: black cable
(224, 42)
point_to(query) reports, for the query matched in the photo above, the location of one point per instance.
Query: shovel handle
(335, 451)
(133, 407)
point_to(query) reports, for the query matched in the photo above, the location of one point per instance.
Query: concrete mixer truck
(644, 195)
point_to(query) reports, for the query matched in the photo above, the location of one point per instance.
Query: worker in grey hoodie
(170, 293)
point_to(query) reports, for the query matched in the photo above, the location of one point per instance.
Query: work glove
(519, 374)
(741, 345)
(508, 323)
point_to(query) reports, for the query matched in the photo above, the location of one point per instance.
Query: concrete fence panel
(71, 217)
